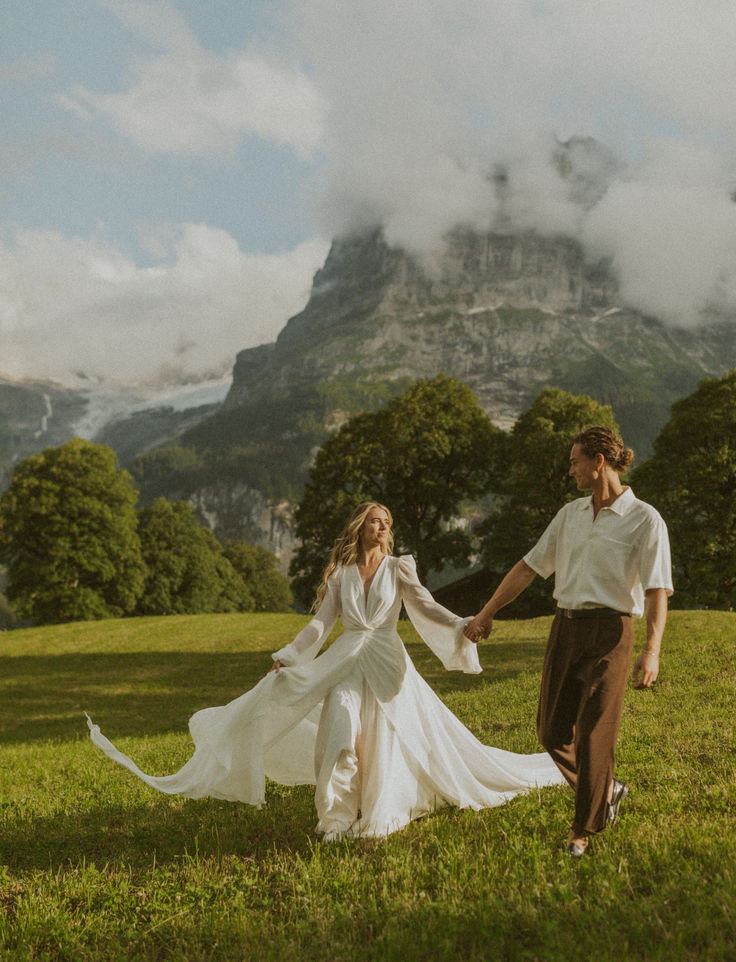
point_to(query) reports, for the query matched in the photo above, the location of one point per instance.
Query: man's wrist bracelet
(645, 652)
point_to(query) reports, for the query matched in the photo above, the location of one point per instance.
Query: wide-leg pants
(584, 679)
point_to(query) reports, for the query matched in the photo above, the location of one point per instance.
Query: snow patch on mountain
(109, 401)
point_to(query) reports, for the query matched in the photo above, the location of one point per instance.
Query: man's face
(582, 468)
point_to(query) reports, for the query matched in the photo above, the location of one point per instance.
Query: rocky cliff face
(507, 313)
(235, 511)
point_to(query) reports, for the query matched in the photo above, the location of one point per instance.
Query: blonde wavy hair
(346, 548)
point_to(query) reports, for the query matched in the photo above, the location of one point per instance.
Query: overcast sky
(172, 171)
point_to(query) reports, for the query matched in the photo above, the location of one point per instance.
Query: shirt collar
(620, 506)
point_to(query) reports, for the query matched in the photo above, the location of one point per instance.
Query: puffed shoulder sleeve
(309, 640)
(440, 629)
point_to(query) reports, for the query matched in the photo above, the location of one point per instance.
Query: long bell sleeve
(440, 629)
(308, 642)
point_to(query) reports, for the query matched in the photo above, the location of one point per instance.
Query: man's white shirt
(609, 561)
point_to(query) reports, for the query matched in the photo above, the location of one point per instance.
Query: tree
(691, 480)
(423, 455)
(536, 485)
(267, 588)
(68, 536)
(154, 470)
(187, 570)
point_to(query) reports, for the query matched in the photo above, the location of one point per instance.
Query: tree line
(462, 492)
(76, 547)
(433, 457)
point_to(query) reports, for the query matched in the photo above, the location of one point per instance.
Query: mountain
(507, 313)
(36, 414)
(131, 429)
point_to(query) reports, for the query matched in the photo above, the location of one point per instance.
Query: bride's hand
(477, 630)
(277, 665)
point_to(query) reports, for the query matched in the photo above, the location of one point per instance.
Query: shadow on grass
(44, 696)
(171, 830)
(163, 831)
(501, 663)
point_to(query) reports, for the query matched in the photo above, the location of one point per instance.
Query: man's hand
(646, 669)
(512, 585)
(478, 629)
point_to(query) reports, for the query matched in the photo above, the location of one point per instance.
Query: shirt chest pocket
(613, 559)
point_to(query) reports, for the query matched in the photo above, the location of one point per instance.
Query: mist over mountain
(508, 313)
(508, 310)
(35, 414)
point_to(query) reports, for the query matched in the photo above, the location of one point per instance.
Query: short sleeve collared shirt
(609, 561)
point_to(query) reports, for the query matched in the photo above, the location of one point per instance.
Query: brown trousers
(584, 679)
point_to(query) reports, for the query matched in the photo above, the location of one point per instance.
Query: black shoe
(619, 793)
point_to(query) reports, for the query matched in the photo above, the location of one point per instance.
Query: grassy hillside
(95, 865)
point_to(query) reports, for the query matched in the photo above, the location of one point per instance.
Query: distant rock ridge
(36, 414)
(507, 313)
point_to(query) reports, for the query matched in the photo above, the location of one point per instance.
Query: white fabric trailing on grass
(358, 722)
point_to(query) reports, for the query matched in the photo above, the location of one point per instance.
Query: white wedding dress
(358, 721)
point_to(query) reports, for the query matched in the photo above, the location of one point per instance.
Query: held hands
(646, 669)
(517, 579)
(478, 629)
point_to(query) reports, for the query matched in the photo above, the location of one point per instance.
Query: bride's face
(375, 530)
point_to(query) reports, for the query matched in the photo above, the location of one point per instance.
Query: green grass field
(95, 865)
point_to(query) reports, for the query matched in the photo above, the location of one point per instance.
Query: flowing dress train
(358, 722)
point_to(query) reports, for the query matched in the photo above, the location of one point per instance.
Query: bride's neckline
(368, 582)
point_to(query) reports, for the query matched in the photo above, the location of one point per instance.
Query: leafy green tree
(153, 471)
(267, 588)
(8, 617)
(423, 455)
(68, 536)
(187, 570)
(691, 480)
(535, 486)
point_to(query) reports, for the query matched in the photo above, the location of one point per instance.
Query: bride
(358, 722)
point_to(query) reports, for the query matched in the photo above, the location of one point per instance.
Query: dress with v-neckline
(358, 722)
(371, 581)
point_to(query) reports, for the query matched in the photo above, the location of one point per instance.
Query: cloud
(33, 68)
(418, 116)
(669, 228)
(186, 100)
(72, 304)
(428, 99)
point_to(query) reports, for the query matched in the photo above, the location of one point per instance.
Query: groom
(610, 556)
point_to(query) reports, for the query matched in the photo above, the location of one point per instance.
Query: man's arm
(647, 664)
(518, 578)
